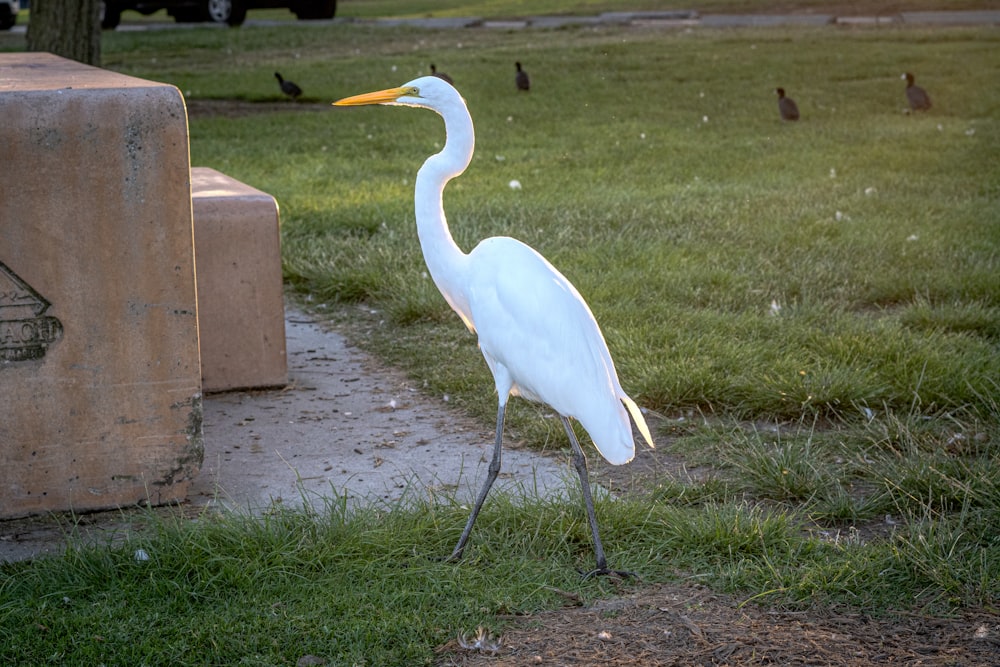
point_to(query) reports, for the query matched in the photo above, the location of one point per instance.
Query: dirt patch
(686, 624)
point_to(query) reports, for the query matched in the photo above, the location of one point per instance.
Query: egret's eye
(411, 91)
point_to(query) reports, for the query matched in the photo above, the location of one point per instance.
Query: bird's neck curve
(445, 260)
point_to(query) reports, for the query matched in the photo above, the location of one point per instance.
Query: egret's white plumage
(535, 331)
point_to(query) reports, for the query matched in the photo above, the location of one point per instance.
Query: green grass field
(810, 311)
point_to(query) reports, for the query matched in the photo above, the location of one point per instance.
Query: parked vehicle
(232, 12)
(8, 13)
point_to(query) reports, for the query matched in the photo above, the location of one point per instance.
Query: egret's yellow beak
(387, 96)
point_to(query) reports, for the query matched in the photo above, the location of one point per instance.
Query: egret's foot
(608, 572)
(455, 557)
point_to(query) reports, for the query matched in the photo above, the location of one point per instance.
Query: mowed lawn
(809, 311)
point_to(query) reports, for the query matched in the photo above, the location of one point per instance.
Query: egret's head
(427, 91)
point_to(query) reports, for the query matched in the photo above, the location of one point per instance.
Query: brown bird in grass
(917, 97)
(786, 105)
(288, 88)
(441, 75)
(521, 78)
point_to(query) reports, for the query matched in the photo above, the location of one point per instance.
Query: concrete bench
(100, 374)
(240, 299)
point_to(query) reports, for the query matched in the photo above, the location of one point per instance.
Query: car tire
(326, 9)
(111, 16)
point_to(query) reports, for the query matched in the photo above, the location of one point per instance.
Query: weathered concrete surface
(99, 368)
(240, 293)
(348, 427)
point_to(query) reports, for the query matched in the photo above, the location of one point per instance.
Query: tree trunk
(68, 28)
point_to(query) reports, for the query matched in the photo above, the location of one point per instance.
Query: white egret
(538, 336)
(917, 97)
(786, 106)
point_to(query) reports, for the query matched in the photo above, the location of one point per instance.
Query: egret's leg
(494, 470)
(580, 463)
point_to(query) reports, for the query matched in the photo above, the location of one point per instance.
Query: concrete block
(99, 366)
(240, 295)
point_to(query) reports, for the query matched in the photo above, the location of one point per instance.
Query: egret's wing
(531, 320)
(533, 323)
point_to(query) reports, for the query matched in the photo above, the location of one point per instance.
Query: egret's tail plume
(639, 420)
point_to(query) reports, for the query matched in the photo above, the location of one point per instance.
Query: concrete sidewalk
(344, 427)
(692, 18)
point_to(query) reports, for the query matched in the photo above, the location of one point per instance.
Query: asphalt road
(665, 19)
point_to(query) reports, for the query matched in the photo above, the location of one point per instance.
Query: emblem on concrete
(25, 331)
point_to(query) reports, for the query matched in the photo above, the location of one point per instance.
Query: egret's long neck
(445, 260)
